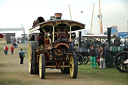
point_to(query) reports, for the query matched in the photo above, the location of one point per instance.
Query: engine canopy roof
(48, 25)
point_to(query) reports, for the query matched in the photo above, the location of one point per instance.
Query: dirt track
(12, 73)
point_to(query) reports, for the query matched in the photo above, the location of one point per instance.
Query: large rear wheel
(42, 65)
(30, 58)
(33, 65)
(73, 66)
(120, 62)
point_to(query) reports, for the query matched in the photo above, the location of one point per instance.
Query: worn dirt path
(12, 73)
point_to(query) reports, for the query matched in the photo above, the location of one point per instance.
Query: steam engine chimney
(109, 35)
(80, 44)
(58, 15)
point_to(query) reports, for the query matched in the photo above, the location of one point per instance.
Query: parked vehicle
(53, 46)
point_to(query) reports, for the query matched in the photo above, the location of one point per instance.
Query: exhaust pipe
(58, 15)
(80, 43)
(109, 35)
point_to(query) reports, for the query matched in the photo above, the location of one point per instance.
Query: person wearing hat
(21, 55)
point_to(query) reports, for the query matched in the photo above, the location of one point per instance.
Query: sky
(15, 13)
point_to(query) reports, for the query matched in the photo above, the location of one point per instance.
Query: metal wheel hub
(59, 51)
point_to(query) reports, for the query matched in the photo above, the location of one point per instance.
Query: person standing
(93, 57)
(21, 55)
(98, 56)
(12, 49)
(117, 41)
(6, 50)
(102, 58)
(15, 44)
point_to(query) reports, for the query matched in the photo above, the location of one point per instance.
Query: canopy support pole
(53, 32)
(70, 12)
(70, 32)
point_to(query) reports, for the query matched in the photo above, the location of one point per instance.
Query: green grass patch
(109, 74)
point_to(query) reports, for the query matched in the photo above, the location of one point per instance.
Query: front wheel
(109, 60)
(73, 65)
(86, 59)
(42, 65)
(80, 59)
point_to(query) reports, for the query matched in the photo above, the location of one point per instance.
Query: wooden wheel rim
(71, 66)
(40, 66)
(30, 57)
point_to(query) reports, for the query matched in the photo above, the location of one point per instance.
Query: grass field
(1, 49)
(109, 76)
